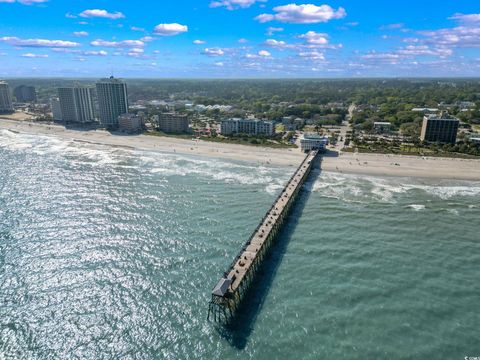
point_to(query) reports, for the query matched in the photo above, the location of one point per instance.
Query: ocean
(112, 253)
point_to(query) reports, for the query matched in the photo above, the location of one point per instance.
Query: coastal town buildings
(76, 104)
(6, 105)
(25, 93)
(112, 100)
(173, 123)
(439, 128)
(247, 126)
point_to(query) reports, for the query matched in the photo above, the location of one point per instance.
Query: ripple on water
(108, 253)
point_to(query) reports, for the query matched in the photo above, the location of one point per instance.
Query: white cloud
(80, 33)
(147, 39)
(134, 28)
(392, 26)
(213, 52)
(264, 53)
(234, 4)
(95, 53)
(465, 17)
(37, 42)
(242, 41)
(315, 38)
(118, 44)
(303, 14)
(219, 63)
(98, 13)
(271, 30)
(70, 16)
(424, 50)
(382, 57)
(24, 2)
(170, 29)
(199, 42)
(314, 55)
(135, 52)
(275, 43)
(30, 55)
(460, 36)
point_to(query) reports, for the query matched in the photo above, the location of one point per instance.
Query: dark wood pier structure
(230, 290)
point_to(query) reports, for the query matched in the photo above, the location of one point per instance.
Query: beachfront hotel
(246, 126)
(6, 105)
(112, 100)
(76, 104)
(439, 128)
(172, 123)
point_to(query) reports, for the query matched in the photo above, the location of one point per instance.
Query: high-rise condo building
(439, 128)
(76, 104)
(112, 100)
(6, 105)
(25, 93)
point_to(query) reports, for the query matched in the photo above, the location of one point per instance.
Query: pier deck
(229, 291)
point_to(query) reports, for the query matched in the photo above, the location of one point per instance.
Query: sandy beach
(368, 164)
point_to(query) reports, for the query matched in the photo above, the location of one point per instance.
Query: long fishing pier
(230, 290)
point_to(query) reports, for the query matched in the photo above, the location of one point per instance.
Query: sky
(239, 38)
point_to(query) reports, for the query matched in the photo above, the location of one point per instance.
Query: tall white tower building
(76, 104)
(6, 104)
(112, 100)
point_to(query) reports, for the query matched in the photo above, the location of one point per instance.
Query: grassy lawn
(408, 150)
(240, 141)
(162, 134)
(250, 142)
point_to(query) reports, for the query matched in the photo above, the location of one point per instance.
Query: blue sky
(239, 38)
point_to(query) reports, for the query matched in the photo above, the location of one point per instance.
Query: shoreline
(343, 162)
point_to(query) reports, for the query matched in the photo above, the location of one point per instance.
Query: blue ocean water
(112, 253)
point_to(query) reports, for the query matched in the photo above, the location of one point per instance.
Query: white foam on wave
(416, 207)
(454, 212)
(229, 172)
(362, 188)
(155, 162)
(49, 145)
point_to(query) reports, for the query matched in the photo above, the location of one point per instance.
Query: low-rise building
(130, 122)
(313, 142)
(425, 110)
(382, 127)
(173, 123)
(439, 128)
(247, 126)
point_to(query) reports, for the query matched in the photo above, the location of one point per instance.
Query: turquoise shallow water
(109, 253)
